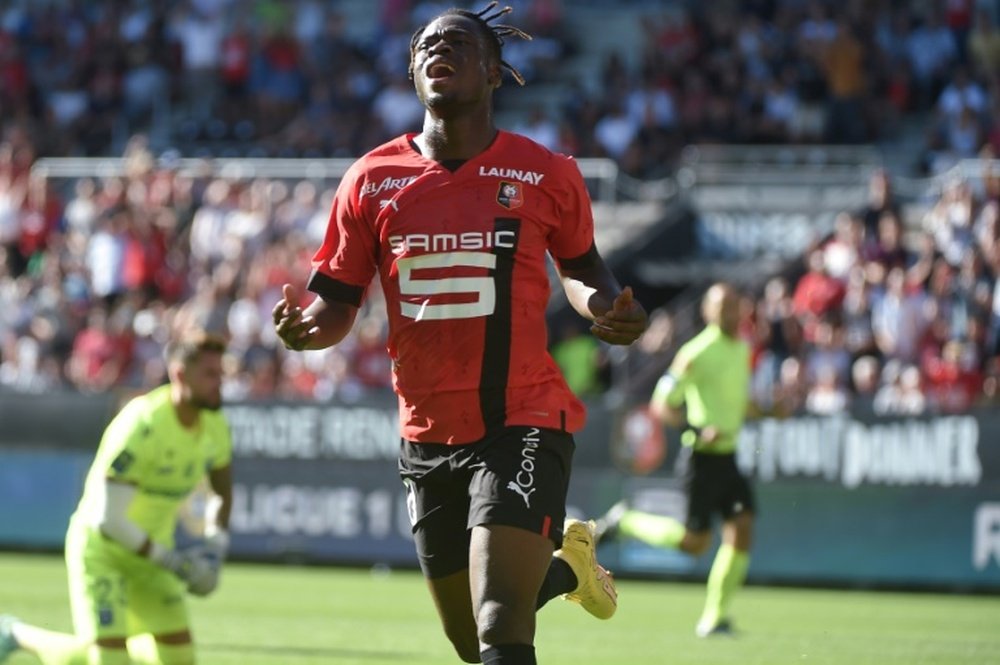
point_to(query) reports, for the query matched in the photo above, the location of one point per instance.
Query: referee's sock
(655, 530)
(729, 570)
(509, 654)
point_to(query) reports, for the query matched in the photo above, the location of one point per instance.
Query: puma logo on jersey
(388, 203)
(513, 174)
(511, 485)
(387, 185)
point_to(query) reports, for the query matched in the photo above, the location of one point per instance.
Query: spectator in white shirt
(615, 131)
(538, 126)
(397, 108)
(963, 92)
(898, 317)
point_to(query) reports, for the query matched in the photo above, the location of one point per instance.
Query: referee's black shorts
(517, 476)
(714, 484)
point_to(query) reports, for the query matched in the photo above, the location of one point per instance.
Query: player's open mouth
(440, 70)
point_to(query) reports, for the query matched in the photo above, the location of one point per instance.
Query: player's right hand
(293, 329)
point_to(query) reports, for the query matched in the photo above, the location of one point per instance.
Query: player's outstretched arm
(667, 403)
(667, 414)
(320, 325)
(114, 522)
(595, 294)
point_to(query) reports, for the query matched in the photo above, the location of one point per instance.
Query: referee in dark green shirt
(706, 392)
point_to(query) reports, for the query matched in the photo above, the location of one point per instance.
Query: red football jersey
(462, 260)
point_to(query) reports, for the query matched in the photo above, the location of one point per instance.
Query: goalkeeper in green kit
(705, 392)
(127, 582)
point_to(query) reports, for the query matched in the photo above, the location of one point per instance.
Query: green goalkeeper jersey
(145, 445)
(711, 375)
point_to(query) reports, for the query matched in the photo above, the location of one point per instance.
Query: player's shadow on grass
(310, 652)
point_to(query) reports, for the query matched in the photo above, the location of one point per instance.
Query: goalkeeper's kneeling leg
(175, 654)
(145, 650)
(98, 655)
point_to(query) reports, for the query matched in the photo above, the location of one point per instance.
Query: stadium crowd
(270, 78)
(904, 322)
(92, 277)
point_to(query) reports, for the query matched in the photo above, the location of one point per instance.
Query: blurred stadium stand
(733, 159)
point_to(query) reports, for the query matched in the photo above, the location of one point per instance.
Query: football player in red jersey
(457, 221)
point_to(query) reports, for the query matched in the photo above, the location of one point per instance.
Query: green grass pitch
(287, 615)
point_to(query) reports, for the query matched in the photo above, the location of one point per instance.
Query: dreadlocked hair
(496, 32)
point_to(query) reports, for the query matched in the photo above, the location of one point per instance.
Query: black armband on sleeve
(582, 262)
(328, 288)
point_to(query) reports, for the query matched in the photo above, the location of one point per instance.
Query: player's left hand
(212, 551)
(623, 323)
(204, 585)
(294, 329)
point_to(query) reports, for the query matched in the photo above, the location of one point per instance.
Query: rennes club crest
(509, 195)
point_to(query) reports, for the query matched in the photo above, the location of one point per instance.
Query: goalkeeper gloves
(217, 544)
(198, 570)
(213, 550)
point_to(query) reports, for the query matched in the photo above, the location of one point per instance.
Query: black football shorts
(516, 477)
(714, 484)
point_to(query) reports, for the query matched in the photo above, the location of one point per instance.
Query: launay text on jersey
(513, 174)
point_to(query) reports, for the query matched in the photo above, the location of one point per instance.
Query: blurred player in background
(457, 221)
(127, 582)
(710, 376)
